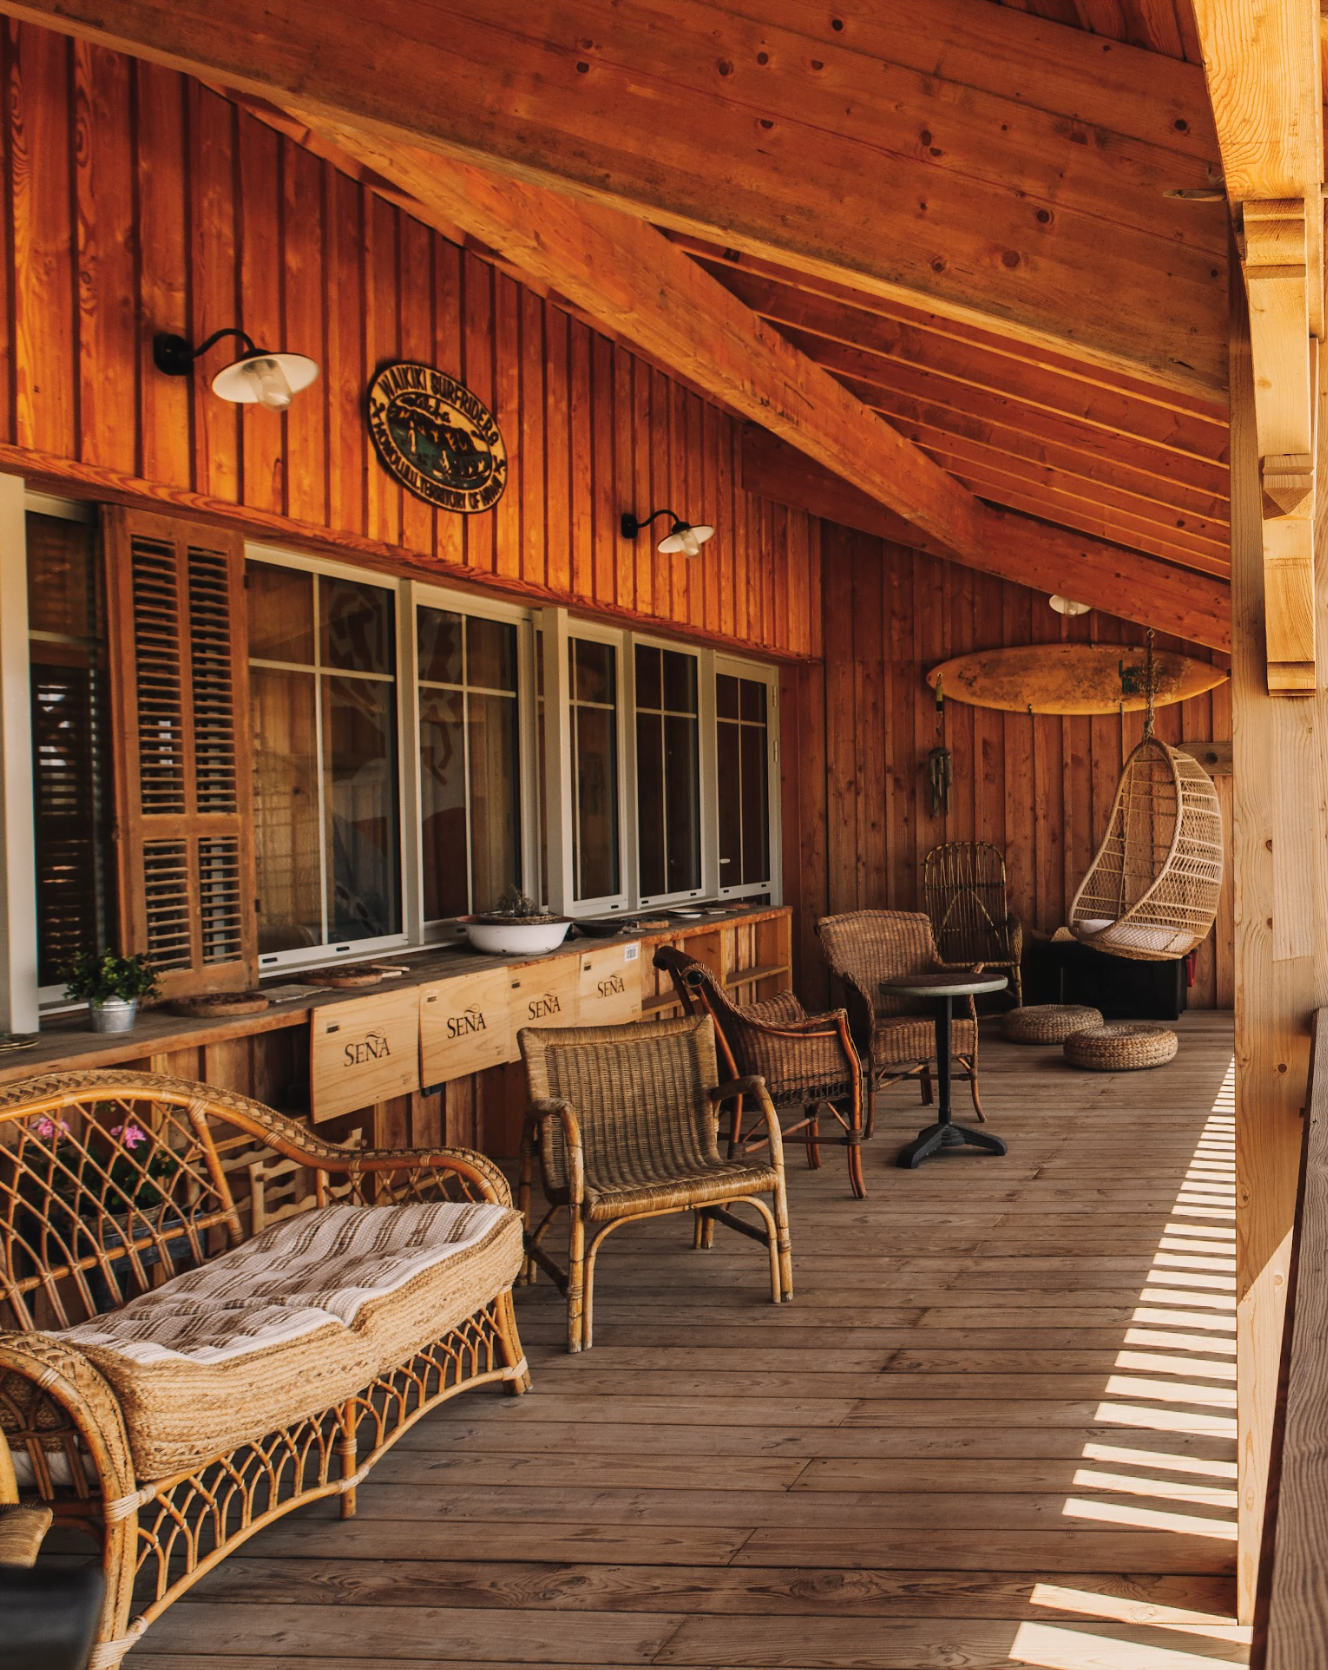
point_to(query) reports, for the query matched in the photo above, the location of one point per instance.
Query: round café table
(941, 990)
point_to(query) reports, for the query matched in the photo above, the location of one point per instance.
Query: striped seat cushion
(292, 1322)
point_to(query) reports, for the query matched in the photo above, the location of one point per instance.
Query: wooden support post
(1280, 852)
(1280, 278)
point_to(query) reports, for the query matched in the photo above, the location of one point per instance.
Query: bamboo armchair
(111, 1182)
(624, 1120)
(895, 1036)
(808, 1062)
(964, 889)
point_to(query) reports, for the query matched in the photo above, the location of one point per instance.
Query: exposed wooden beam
(654, 295)
(1011, 193)
(1123, 583)
(1265, 77)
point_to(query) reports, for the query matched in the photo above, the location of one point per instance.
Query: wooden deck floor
(994, 1428)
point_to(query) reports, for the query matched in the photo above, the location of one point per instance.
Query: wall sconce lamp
(1068, 606)
(682, 536)
(257, 377)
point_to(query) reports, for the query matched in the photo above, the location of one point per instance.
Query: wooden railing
(1291, 1620)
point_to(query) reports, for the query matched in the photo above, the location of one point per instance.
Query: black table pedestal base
(945, 1134)
(949, 1135)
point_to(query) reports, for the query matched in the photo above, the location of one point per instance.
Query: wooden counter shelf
(267, 1055)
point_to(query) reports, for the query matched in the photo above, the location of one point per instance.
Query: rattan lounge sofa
(174, 1380)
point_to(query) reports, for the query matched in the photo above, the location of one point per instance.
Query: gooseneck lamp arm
(173, 355)
(633, 525)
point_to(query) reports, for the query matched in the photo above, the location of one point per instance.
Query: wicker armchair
(624, 1119)
(963, 885)
(808, 1062)
(895, 1036)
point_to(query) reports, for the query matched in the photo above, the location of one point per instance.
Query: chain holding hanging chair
(1152, 889)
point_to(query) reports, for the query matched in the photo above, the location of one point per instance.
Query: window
(596, 817)
(71, 757)
(322, 665)
(742, 741)
(470, 761)
(668, 771)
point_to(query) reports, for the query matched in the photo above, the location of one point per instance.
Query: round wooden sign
(437, 439)
(1071, 678)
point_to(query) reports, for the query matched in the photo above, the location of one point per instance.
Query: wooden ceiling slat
(810, 316)
(1007, 350)
(1060, 499)
(919, 383)
(681, 112)
(1212, 529)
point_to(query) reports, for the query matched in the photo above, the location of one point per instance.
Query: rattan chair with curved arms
(895, 1036)
(624, 1120)
(808, 1062)
(963, 885)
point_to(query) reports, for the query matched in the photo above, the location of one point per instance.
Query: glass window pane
(360, 796)
(490, 654)
(755, 806)
(729, 753)
(443, 804)
(286, 821)
(679, 682)
(594, 671)
(726, 696)
(650, 803)
(71, 758)
(495, 802)
(682, 802)
(649, 684)
(281, 613)
(439, 637)
(753, 700)
(595, 790)
(356, 626)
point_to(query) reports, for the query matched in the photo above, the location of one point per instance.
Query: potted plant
(111, 986)
(517, 927)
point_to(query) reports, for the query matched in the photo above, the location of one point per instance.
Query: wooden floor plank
(995, 1428)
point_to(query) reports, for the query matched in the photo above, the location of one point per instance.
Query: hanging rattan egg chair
(1151, 892)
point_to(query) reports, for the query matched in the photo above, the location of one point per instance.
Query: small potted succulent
(517, 927)
(111, 986)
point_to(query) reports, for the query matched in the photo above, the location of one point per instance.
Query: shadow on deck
(995, 1428)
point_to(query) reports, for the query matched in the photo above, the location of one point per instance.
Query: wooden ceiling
(1102, 453)
(953, 220)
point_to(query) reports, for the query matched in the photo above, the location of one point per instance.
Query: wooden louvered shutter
(177, 641)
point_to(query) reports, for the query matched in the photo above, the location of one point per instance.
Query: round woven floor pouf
(1121, 1047)
(1047, 1023)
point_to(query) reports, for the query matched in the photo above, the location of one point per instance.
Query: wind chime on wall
(940, 764)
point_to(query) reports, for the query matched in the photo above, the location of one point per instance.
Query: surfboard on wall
(1071, 678)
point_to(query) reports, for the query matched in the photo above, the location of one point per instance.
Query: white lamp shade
(269, 380)
(687, 538)
(1067, 606)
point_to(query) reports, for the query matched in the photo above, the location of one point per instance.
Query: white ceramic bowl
(515, 938)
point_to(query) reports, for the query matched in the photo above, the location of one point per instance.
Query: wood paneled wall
(138, 200)
(856, 733)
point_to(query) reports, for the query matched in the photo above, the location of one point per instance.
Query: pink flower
(129, 1135)
(46, 1127)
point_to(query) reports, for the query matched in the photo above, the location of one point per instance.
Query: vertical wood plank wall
(856, 732)
(138, 200)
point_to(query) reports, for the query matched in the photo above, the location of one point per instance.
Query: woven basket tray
(1122, 1047)
(1047, 1023)
(220, 1005)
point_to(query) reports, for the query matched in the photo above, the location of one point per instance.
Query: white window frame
(330, 952)
(707, 788)
(757, 672)
(415, 596)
